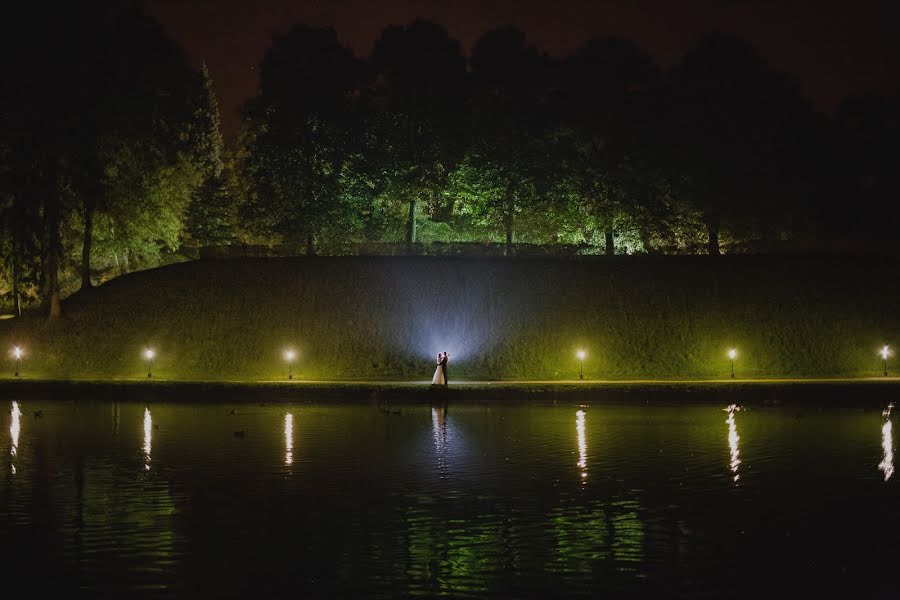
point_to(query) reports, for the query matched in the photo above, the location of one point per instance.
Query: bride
(438, 378)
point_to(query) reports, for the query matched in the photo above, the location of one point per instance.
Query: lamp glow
(289, 356)
(581, 354)
(732, 354)
(885, 352)
(149, 353)
(17, 353)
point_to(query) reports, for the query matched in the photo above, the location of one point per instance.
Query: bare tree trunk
(126, 266)
(16, 248)
(17, 304)
(89, 206)
(52, 270)
(53, 280)
(508, 226)
(411, 227)
(509, 214)
(310, 245)
(610, 242)
(712, 226)
(53, 251)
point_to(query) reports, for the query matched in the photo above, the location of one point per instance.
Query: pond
(514, 500)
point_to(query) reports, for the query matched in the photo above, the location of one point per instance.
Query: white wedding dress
(438, 378)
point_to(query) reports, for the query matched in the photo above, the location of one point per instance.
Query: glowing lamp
(732, 354)
(581, 354)
(149, 354)
(17, 353)
(885, 352)
(289, 356)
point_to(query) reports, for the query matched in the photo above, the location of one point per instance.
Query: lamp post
(731, 354)
(149, 354)
(581, 354)
(17, 352)
(884, 356)
(289, 356)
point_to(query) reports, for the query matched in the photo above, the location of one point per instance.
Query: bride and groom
(440, 373)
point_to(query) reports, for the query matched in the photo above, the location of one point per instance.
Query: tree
(135, 93)
(864, 162)
(20, 210)
(210, 215)
(420, 76)
(97, 77)
(510, 97)
(37, 140)
(145, 204)
(304, 137)
(604, 104)
(733, 128)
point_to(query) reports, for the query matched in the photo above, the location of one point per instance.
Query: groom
(444, 367)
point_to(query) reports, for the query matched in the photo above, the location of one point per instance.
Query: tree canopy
(112, 157)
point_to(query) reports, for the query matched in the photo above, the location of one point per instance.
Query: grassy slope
(383, 318)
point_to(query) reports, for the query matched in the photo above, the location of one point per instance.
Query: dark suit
(444, 368)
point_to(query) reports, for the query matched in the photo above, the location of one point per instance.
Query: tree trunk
(18, 232)
(712, 225)
(411, 228)
(610, 243)
(125, 264)
(53, 281)
(17, 304)
(508, 226)
(89, 206)
(310, 245)
(53, 251)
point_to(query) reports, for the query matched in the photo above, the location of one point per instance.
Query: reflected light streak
(148, 437)
(14, 430)
(439, 433)
(439, 430)
(733, 439)
(582, 444)
(289, 439)
(886, 465)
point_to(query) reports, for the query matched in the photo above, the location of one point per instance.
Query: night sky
(834, 48)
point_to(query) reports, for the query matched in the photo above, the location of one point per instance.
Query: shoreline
(863, 392)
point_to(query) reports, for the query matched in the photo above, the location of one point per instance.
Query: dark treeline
(112, 159)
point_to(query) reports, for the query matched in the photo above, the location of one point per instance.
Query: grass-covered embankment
(384, 318)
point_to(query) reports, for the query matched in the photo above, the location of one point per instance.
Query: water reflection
(597, 531)
(14, 429)
(289, 439)
(733, 439)
(582, 444)
(378, 518)
(439, 433)
(886, 465)
(148, 437)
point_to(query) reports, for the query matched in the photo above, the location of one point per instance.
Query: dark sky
(834, 48)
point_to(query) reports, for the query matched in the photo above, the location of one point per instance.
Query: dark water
(103, 499)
